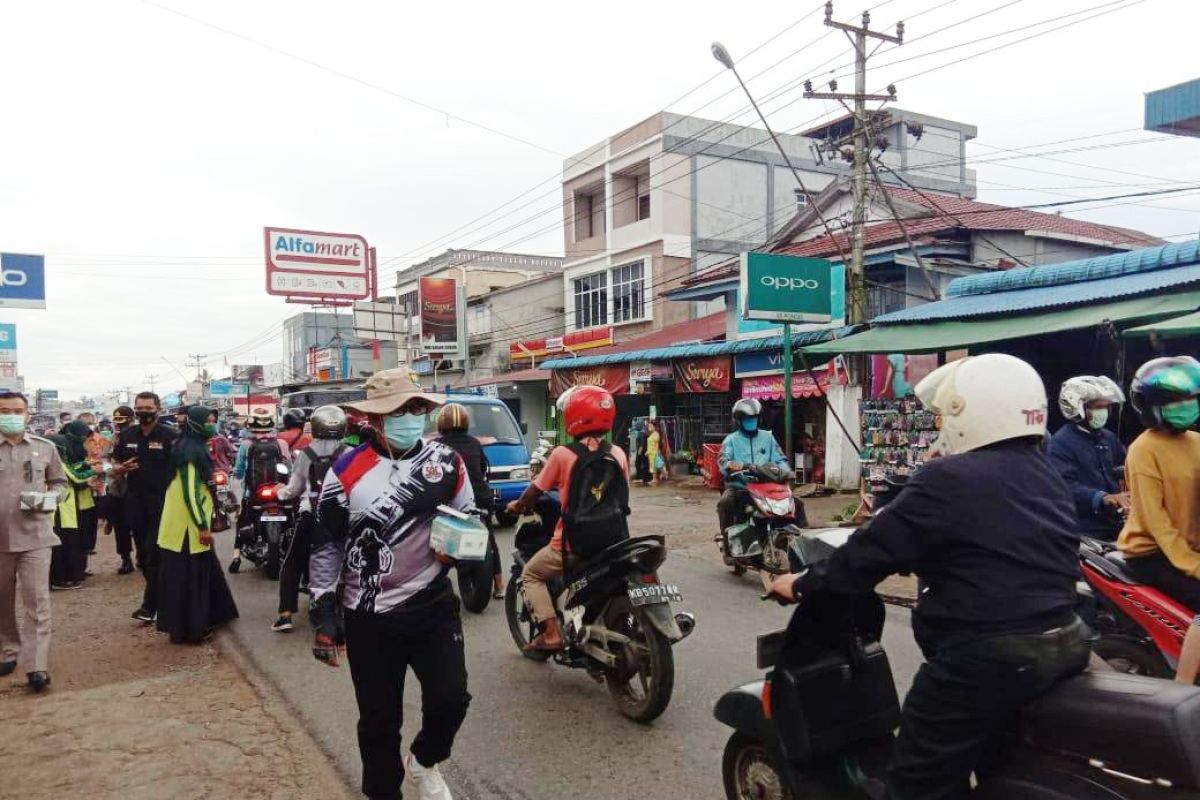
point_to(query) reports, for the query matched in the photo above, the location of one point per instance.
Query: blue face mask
(750, 424)
(403, 432)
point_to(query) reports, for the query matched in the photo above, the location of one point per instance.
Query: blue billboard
(228, 389)
(8, 342)
(22, 281)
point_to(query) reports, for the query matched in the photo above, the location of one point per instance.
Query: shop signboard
(228, 389)
(707, 374)
(317, 265)
(572, 342)
(779, 288)
(613, 377)
(640, 372)
(896, 375)
(248, 373)
(763, 362)
(422, 366)
(22, 281)
(8, 343)
(440, 315)
(770, 387)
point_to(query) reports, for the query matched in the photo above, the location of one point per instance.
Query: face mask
(1181, 415)
(12, 424)
(404, 431)
(210, 429)
(146, 417)
(106, 434)
(750, 424)
(1098, 419)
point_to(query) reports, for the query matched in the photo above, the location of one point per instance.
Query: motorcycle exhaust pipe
(686, 623)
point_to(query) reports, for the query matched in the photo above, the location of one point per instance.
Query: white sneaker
(428, 780)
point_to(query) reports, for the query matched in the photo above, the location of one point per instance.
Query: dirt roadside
(131, 716)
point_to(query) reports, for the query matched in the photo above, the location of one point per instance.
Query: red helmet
(589, 411)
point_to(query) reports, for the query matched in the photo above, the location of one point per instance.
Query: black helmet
(294, 418)
(329, 422)
(1161, 381)
(746, 407)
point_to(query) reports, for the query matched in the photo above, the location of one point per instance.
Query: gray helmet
(746, 407)
(328, 422)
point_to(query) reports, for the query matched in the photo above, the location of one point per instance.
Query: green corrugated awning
(936, 337)
(1187, 325)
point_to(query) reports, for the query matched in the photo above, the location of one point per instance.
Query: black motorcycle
(820, 724)
(268, 527)
(615, 617)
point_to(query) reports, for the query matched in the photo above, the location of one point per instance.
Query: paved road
(538, 731)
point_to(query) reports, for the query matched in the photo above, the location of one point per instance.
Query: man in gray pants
(31, 483)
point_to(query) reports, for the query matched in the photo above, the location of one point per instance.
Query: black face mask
(146, 417)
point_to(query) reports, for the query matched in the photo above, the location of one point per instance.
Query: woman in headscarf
(75, 519)
(193, 596)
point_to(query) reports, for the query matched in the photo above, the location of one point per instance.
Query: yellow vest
(187, 510)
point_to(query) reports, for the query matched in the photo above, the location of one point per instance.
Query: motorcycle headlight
(519, 475)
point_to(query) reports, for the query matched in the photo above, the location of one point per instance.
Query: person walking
(375, 516)
(32, 482)
(114, 509)
(76, 516)
(143, 456)
(193, 597)
(309, 468)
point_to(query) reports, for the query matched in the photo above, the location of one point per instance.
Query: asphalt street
(538, 731)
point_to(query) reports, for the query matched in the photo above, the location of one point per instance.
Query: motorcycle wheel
(274, 561)
(723, 546)
(1132, 658)
(475, 586)
(519, 623)
(642, 695)
(749, 772)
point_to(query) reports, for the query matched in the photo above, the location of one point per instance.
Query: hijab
(192, 445)
(74, 435)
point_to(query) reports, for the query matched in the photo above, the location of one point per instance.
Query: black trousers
(113, 510)
(964, 695)
(89, 526)
(295, 564)
(1157, 570)
(381, 648)
(143, 515)
(68, 560)
(732, 506)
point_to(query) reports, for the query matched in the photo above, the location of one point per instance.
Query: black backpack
(595, 511)
(318, 467)
(262, 462)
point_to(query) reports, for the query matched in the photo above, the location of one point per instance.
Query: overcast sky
(143, 151)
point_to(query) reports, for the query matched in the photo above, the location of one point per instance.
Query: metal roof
(1148, 259)
(1175, 109)
(1056, 295)
(698, 350)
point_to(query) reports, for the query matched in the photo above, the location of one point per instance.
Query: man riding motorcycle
(253, 466)
(990, 529)
(1087, 455)
(293, 434)
(1161, 538)
(747, 446)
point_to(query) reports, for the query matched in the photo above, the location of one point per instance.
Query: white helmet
(1077, 392)
(983, 400)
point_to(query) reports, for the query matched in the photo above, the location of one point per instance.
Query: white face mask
(1098, 419)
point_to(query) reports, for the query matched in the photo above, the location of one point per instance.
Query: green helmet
(1161, 381)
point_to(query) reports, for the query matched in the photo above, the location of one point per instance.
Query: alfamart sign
(777, 288)
(313, 264)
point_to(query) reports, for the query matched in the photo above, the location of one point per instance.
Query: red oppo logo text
(1036, 416)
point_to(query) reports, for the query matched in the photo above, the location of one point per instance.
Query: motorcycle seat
(647, 549)
(1146, 727)
(1117, 559)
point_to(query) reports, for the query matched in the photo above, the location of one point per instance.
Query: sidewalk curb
(242, 658)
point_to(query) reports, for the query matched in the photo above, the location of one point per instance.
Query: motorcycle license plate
(654, 593)
(273, 518)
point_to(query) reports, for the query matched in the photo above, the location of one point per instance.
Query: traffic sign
(22, 281)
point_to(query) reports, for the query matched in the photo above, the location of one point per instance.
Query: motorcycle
(773, 521)
(616, 620)
(226, 505)
(272, 524)
(820, 724)
(1141, 629)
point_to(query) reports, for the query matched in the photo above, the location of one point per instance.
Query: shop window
(629, 292)
(591, 300)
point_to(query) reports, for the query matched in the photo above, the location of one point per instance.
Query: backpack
(262, 462)
(319, 466)
(598, 503)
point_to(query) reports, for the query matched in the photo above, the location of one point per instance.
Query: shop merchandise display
(896, 436)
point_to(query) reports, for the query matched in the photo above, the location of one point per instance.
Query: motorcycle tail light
(267, 493)
(649, 577)
(766, 699)
(220, 479)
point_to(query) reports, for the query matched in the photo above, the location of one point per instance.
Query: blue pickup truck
(493, 424)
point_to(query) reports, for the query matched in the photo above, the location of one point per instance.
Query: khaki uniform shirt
(30, 465)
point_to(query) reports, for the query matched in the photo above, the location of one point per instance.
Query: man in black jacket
(990, 529)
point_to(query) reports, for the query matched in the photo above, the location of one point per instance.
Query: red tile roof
(948, 214)
(517, 376)
(702, 329)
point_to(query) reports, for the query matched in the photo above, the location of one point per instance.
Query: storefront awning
(1187, 325)
(939, 336)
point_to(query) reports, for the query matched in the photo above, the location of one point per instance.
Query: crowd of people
(992, 527)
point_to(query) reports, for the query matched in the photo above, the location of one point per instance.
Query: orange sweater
(1163, 471)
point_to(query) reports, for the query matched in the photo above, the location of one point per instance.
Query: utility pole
(151, 379)
(197, 361)
(858, 35)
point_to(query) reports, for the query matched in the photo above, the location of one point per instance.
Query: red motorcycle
(1141, 629)
(766, 540)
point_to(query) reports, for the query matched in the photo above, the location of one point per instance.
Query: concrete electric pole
(858, 35)
(151, 379)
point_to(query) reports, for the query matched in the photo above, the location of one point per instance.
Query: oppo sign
(22, 281)
(778, 288)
